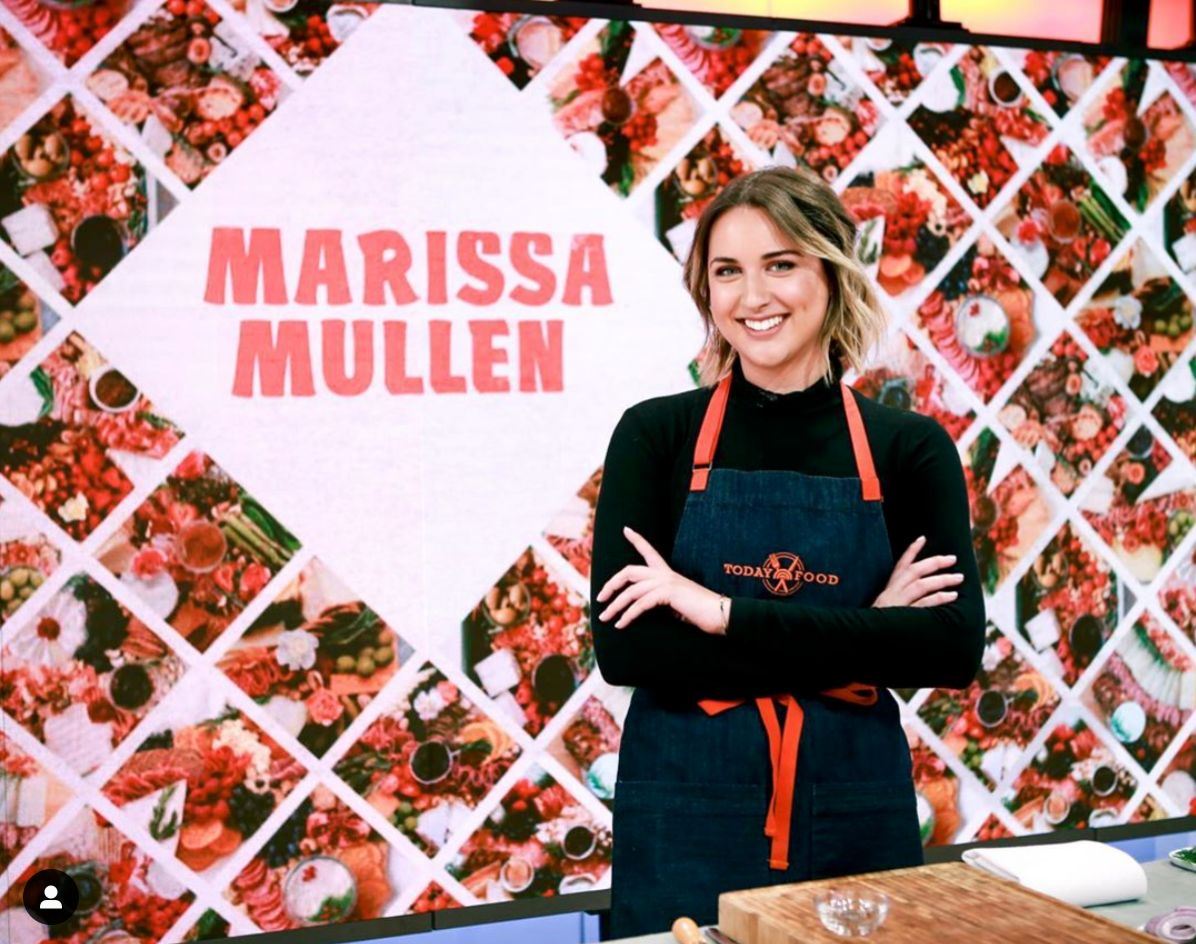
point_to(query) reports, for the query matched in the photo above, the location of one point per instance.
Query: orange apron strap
(712, 424)
(857, 693)
(859, 445)
(786, 782)
(783, 744)
(783, 748)
(714, 706)
(768, 714)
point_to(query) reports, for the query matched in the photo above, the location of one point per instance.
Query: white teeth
(764, 325)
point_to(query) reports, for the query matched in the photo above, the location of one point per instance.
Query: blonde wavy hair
(807, 211)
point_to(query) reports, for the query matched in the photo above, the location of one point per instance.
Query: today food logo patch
(782, 573)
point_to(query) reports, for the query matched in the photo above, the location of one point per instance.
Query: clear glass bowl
(851, 910)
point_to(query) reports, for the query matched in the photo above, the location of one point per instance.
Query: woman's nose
(755, 290)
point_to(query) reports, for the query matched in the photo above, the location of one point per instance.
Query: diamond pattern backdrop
(211, 729)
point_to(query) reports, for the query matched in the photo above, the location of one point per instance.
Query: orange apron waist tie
(783, 744)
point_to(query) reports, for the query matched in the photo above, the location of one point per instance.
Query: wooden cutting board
(951, 903)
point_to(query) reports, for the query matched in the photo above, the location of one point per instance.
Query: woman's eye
(782, 266)
(722, 271)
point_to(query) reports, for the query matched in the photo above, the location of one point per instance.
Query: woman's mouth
(763, 327)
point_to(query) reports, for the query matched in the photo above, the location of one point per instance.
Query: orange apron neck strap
(859, 445)
(712, 424)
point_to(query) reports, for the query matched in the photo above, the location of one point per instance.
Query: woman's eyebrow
(767, 255)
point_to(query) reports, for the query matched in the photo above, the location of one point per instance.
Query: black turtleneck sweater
(776, 646)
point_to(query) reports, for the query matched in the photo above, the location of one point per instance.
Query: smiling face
(768, 300)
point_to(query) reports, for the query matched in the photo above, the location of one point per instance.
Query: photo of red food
(620, 116)
(571, 531)
(520, 45)
(1143, 506)
(315, 657)
(896, 66)
(692, 185)
(990, 724)
(77, 423)
(982, 317)
(716, 55)
(24, 319)
(323, 865)
(1145, 691)
(539, 843)
(1140, 318)
(588, 746)
(901, 375)
(1065, 413)
(69, 28)
(433, 898)
(429, 759)
(908, 220)
(977, 120)
(993, 828)
(32, 796)
(1062, 78)
(806, 104)
(305, 32)
(1068, 604)
(1062, 224)
(941, 796)
(1178, 780)
(198, 550)
(190, 83)
(73, 201)
(1176, 408)
(1138, 145)
(1074, 782)
(527, 644)
(82, 672)
(119, 885)
(205, 780)
(1178, 595)
(27, 558)
(1008, 515)
(22, 78)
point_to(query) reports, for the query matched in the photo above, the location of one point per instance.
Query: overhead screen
(315, 322)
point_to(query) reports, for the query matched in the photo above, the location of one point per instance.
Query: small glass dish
(851, 910)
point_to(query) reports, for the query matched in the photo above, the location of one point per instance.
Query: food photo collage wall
(214, 733)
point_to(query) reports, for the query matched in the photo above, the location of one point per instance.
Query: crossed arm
(655, 628)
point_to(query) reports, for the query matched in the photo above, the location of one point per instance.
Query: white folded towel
(1083, 873)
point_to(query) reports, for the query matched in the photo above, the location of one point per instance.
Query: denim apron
(711, 797)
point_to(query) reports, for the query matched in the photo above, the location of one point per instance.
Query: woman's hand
(655, 583)
(920, 583)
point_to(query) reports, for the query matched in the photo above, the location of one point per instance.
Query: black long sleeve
(773, 647)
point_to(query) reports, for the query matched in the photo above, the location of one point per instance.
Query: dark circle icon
(51, 897)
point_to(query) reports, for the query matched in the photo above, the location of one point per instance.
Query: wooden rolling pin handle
(686, 931)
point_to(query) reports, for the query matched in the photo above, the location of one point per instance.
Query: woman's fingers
(937, 599)
(932, 565)
(936, 582)
(632, 593)
(911, 553)
(628, 573)
(651, 558)
(655, 597)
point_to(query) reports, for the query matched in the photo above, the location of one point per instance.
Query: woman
(744, 577)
